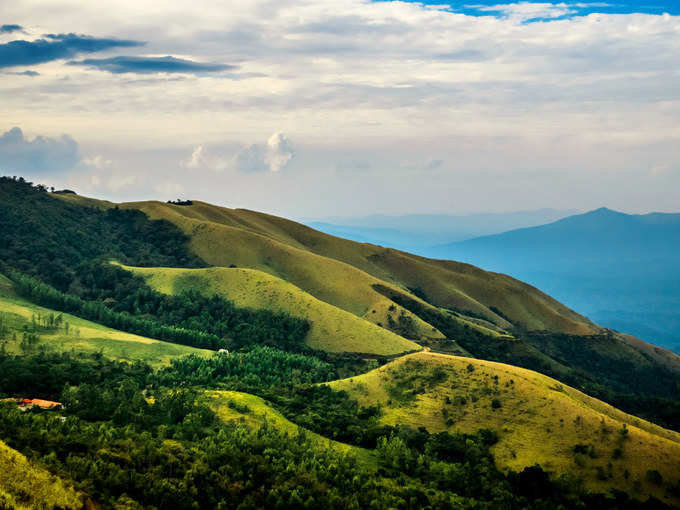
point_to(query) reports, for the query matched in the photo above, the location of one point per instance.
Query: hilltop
(202, 351)
(537, 420)
(479, 313)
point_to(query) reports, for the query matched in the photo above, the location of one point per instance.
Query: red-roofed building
(37, 402)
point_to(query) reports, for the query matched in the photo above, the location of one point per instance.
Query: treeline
(122, 291)
(645, 389)
(49, 237)
(56, 253)
(42, 294)
(129, 441)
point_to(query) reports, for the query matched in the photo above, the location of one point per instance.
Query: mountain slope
(331, 328)
(256, 412)
(342, 272)
(537, 419)
(24, 486)
(412, 232)
(18, 316)
(621, 270)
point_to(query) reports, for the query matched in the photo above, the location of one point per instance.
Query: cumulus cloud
(151, 65)
(18, 154)
(197, 159)
(278, 152)
(56, 47)
(201, 159)
(272, 156)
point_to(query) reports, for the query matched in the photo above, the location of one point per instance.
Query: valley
(190, 342)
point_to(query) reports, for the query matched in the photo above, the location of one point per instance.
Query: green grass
(537, 419)
(24, 486)
(255, 412)
(332, 329)
(341, 272)
(82, 335)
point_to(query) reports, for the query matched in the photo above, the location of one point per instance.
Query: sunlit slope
(256, 412)
(327, 279)
(24, 486)
(80, 335)
(537, 419)
(341, 272)
(332, 329)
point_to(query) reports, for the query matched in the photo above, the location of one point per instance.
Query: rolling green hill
(537, 419)
(342, 272)
(331, 328)
(24, 486)
(255, 413)
(215, 277)
(74, 333)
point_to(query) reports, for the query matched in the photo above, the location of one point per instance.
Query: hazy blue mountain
(621, 270)
(415, 232)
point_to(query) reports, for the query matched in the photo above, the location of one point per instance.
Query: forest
(132, 438)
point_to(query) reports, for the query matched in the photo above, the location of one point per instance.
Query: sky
(347, 108)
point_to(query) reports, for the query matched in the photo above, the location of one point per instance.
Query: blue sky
(580, 8)
(337, 108)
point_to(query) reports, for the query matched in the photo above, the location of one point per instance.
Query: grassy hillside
(332, 329)
(24, 486)
(256, 412)
(18, 314)
(341, 272)
(537, 419)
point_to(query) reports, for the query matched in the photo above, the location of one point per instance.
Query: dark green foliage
(127, 442)
(251, 370)
(48, 238)
(59, 247)
(653, 476)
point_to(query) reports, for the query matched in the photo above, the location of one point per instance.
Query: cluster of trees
(97, 311)
(49, 238)
(645, 389)
(132, 438)
(55, 253)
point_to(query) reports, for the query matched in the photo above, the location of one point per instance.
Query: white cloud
(99, 162)
(279, 152)
(522, 11)
(272, 156)
(42, 154)
(197, 159)
(383, 82)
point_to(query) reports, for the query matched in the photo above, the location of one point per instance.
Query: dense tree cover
(55, 251)
(49, 238)
(188, 318)
(133, 444)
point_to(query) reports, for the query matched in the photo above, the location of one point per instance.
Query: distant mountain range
(621, 270)
(414, 232)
